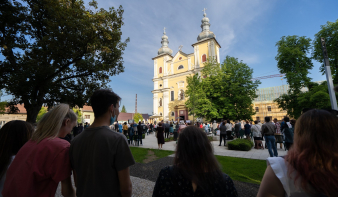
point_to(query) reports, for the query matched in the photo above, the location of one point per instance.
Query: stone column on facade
(171, 68)
(212, 46)
(186, 114)
(189, 63)
(166, 105)
(165, 66)
(155, 69)
(209, 50)
(218, 59)
(155, 103)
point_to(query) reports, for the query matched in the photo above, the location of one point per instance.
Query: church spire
(206, 33)
(165, 49)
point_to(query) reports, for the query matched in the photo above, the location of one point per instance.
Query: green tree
(79, 114)
(3, 107)
(225, 91)
(123, 110)
(58, 51)
(292, 60)
(329, 31)
(138, 117)
(41, 113)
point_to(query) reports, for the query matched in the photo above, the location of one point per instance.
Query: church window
(160, 114)
(160, 70)
(269, 108)
(172, 113)
(180, 58)
(172, 95)
(204, 58)
(180, 67)
(256, 109)
(160, 102)
(160, 85)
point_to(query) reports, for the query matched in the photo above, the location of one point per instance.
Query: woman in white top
(13, 135)
(256, 131)
(311, 166)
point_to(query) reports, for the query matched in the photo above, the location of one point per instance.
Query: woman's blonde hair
(51, 123)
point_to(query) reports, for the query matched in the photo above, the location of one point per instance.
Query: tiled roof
(21, 107)
(87, 108)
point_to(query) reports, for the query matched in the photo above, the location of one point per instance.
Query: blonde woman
(43, 161)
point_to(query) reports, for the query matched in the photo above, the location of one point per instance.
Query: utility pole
(328, 76)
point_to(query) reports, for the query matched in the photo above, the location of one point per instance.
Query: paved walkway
(150, 141)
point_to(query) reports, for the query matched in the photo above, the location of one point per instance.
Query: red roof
(129, 116)
(87, 108)
(21, 107)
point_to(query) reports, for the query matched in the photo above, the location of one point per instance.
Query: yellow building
(170, 73)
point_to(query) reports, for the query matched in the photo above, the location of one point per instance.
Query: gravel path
(150, 171)
(144, 175)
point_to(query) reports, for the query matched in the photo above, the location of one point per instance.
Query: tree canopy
(329, 31)
(225, 91)
(123, 110)
(138, 117)
(58, 51)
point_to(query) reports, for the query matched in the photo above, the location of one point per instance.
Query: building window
(269, 108)
(160, 70)
(160, 114)
(172, 95)
(172, 113)
(180, 58)
(87, 116)
(160, 102)
(160, 85)
(257, 118)
(257, 109)
(204, 58)
(180, 67)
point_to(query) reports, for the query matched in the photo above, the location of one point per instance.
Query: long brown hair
(314, 154)
(13, 135)
(194, 157)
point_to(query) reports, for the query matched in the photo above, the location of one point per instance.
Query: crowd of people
(34, 161)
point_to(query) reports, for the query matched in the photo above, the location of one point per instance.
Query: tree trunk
(32, 112)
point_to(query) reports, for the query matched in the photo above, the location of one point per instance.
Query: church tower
(170, 73)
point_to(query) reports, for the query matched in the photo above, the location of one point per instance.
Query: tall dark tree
(329, 31)
(58, 51)
(123, 110)
(293, 60)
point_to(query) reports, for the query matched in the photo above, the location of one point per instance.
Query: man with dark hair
(268, 131)
(101, 158)
(166, 129)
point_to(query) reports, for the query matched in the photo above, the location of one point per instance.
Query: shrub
(240, 144)
(211, 138)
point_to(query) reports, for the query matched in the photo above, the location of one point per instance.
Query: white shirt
(256, 130)
(228, 126)
(281, 171)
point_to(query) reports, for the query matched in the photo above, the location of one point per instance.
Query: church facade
(171, 71)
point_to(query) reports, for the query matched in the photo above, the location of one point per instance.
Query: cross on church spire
(164, 30)
(204, 10)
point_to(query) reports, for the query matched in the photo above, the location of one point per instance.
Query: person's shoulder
(56, 142)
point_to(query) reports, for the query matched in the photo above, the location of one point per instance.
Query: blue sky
(246, 29)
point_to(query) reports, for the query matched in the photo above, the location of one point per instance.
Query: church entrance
(181, 117)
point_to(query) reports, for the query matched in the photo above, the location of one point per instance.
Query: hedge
(169, 139)
(240, 144)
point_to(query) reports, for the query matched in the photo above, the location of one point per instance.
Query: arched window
(172, 113)
(160, 102)
(160, 70)
(204, 58)
(180, 67)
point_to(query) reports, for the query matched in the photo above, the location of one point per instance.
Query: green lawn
(140, 154)
(240, 169)
(245, 170)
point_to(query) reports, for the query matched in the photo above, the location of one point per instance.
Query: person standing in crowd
(13, 135)
(125, 129)
(228, 126)
(135, 127)
(206, 128)
(268, 131)
(160, 135)
(80, 129)
(43, 161)
(120, 127)
(257, 135)
(166, 129)
(285, 124)
(101, 158)
(278, 130)
(75, 130)
(194, 154)
(131, 135)
(310, 166)
(223, 132)
(151, 127)
(117, 127)
(86, 125)
(260, 124)
(289, 132)
(214, 126)
(182, 126)
(247, 130)
(139, 133)
(171, 128)
(237, 128)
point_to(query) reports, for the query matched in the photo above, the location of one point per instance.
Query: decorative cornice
(205, 40)
(178, 74)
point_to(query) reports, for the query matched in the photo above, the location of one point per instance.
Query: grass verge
(241, 169)
(140, 154)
